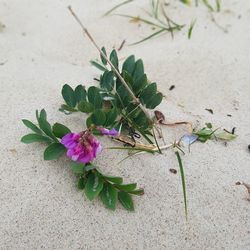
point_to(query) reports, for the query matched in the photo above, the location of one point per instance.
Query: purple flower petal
(70, 140)
(82, 147)
(112, 132)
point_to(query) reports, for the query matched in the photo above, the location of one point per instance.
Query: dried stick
(85, 31)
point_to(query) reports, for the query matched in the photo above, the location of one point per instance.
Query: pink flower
(112, 132)
(82, 147)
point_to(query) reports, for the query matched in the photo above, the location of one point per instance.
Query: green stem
(183, 181)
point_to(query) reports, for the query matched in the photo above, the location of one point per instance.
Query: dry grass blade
(190, 30)
(117, 6)
(209, 6)
(150, 36)
(183, 181)
(142, 20)
(168, 22)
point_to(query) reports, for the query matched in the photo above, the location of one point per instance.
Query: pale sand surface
(40, 205)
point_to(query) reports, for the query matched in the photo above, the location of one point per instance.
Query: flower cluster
(84, 147)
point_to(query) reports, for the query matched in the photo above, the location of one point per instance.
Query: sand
(42, 48)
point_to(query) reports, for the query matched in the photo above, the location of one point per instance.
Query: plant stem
(135, 99)
(182, 180)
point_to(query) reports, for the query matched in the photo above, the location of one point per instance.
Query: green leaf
(98, 117)
(111, 116)
(93, 186)
(89, 167)
(95, 97)
(69, 95)
(65, 107)
(203, 138)
(37, 115)
(104, 61)
(126, 200)
(114, 59)
(127, 187)
(98, 65)
(141, 121)
(89, 122)
(80, 93)
(59, 130)
(154, 101)
(32, 126)
(148, 92)
(43, 114)
(133, 110)
(190, 30)
(54, 151)
(86, 107)
(30, 138)
(139, 70)
(225, 136)
(204, 134)
(77, 168)
(81, 183)
(128, 78)
(129, 64)
(123, 97)
(108, 196)
(218, 5)
(113, 179)
(107, 80)
(209, 125)
(140, 83)
(45, 126)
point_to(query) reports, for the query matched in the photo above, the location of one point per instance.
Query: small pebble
(172, 87)
(173, 171)
(210, 111)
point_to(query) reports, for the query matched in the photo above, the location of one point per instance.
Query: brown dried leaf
(135, 20)
(159, 116)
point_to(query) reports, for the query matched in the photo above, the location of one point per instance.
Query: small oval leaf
(59, 130)
(80, 93)
(93, 186)
(32, 126)
(126, 201)
(30, 138)
(108, 196)
(69, 95)
(86, 107)
(54, 151)
(98, 117)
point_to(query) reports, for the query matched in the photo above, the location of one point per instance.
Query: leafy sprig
(111, 104)
(208, 133)
(90, 178)
(110, 189)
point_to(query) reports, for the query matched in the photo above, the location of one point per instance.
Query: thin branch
(85, 31)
